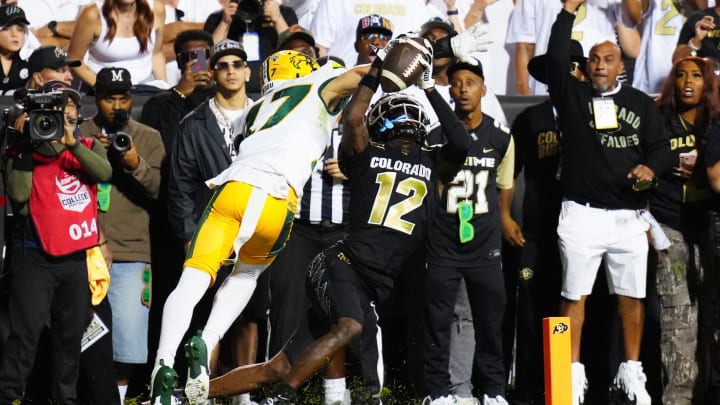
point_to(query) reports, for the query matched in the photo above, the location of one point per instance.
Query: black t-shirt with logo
(16, 78)
(537, 152)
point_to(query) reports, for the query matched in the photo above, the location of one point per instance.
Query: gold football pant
(245, 219)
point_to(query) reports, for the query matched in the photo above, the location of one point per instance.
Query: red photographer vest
(63, 203)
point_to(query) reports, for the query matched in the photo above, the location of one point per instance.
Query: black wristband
(369, 81)
(452, 12)
(377, 63)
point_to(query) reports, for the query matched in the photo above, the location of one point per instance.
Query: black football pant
(45, 290)
(486, 293)
(288, 296)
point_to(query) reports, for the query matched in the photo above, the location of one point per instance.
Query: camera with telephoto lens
(120, 141)
(46, 114)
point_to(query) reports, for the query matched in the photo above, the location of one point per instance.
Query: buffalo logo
(526, 274)
(560, 328)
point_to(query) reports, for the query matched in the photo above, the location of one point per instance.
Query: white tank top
(121, 52)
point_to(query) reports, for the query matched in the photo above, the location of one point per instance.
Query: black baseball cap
(373, 23)
(56, 85)
(11, 13)
(460, 65)
(294, 32)
(227, 47)
(113, 80)
(437, 22)
(50, 57)
(537, 67)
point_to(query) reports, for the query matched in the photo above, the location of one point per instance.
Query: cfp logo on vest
(73, 195)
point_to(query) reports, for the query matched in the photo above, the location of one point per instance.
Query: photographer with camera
(135, 152)
(52, 174)
(256, 24)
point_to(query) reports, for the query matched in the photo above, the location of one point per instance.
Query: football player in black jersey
(464, 243)
(393, 191)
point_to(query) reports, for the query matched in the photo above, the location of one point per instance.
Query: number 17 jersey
(285, 133)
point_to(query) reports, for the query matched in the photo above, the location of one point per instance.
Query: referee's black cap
(538, 65)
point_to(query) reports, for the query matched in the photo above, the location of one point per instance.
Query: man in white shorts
(612, 150)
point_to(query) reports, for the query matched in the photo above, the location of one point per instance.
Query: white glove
(474, 39)
(426, 80)
(382, 52)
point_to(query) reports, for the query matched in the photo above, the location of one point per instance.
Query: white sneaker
(466, 400)
(446, 400)
(498, 400)
(579, 383)
(631, 379)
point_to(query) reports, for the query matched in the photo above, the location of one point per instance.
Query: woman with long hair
(689, 103)
(122, 33)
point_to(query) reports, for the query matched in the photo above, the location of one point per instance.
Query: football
(403, 66)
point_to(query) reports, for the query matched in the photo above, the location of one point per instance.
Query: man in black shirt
(613, 146)
(468, 247)
(537, 156)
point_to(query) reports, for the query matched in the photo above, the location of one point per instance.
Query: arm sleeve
(213, 21)
(558, 56)
(147, 174)
(94, 161)
(712, 146)
(457, 136)
(504, 177)
(289, 15)
(182, 185)
(19, 178)
(688, 28)
(519, 132)
(656, 142)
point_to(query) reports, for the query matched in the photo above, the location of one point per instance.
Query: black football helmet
(397, 115)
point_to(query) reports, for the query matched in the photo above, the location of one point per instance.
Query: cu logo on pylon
(560, 328)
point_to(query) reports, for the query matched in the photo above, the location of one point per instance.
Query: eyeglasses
(236, 64)
(466, 231)
(574, 66)
(374, 35)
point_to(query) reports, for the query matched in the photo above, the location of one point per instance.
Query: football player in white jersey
(252, 209)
